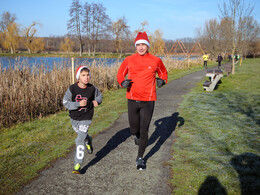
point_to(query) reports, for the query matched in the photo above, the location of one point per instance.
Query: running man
(141, 69)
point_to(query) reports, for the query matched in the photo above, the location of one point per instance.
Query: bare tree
(67, 45)
(157, 43)
(37, 45)
(87, 24)
(11, 37)
(254, 48)
(248, 33)
(96, 24)
(225, 36)
(235, 10)
(29, 34)
(210, 37)
(75, 23)
(100, 24)
(6, 19)
(142, 28)
(121, 32)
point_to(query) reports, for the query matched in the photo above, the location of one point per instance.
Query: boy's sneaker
(140, 165)
(89, 145)
(77, 169)
(137, 140)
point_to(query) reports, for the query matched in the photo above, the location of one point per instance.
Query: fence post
(72, 70)
(188, 60)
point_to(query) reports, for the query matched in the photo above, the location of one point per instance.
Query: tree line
(90, 30)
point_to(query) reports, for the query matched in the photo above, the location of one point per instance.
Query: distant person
(235, 58)
(205, 58)
(229, 58)
(80, 99)
(220, 58)
(141, 69)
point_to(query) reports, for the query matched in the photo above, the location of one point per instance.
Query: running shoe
(137, 140)
(89, 145)
(140, 164)
(77, 169)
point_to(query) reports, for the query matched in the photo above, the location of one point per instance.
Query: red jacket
(142, 71)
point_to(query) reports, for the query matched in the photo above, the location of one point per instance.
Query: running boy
(80, 99)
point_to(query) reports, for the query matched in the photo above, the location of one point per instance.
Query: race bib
(83, 128)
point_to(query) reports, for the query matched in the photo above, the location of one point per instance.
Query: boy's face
(141, 48)
(84, 77)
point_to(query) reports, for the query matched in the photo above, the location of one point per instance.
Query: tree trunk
(94, 51)
(80, 49)
(233, 64)
(29, 50)
(121, 53)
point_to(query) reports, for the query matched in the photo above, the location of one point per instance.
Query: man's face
(142, 48)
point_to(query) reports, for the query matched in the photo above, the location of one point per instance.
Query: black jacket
(220, 58)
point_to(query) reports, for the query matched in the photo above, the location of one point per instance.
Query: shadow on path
(111, 144)
(164, 128)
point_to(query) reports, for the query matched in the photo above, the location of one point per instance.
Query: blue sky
(175, 18)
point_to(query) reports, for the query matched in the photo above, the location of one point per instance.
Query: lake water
(48, 62)
(7, 62)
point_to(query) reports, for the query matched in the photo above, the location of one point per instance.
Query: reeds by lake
(33, 92)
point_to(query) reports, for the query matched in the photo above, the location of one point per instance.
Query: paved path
(111, 168)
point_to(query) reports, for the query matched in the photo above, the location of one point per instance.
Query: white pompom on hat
(142, 38)
(79, 69)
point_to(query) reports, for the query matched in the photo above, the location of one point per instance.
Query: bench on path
(214, 78)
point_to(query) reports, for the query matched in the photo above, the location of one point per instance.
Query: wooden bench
(214, 78)
(206, 83)
(228, 69)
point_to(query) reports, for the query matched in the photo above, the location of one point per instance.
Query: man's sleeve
(161, 71)
(122, 72)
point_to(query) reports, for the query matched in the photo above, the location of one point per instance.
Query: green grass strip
(217, 150)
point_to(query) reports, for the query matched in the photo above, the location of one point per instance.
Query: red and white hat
(142, 38)
(79, 69)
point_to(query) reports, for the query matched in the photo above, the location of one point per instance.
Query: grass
(218, 149)
(29, 147)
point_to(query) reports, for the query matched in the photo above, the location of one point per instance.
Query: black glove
(126, 83)
(160, 82)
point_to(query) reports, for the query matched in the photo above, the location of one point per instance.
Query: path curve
(111, 168)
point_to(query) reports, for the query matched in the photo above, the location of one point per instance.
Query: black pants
(139, 115)
(205, 63)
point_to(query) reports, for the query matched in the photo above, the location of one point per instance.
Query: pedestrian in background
(220, 58)
(205, 58)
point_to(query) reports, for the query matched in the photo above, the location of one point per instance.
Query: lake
(48, 62)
